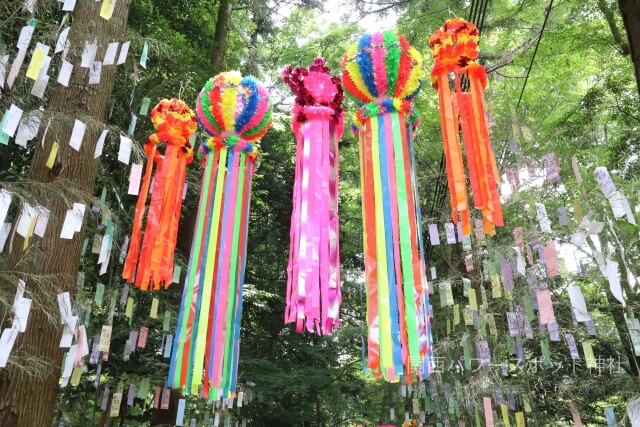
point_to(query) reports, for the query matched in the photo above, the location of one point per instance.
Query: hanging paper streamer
(149, 262)
(313, 285)
(236, 112)
(454, 47)
(383, 74)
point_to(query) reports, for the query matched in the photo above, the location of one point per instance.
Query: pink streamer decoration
(313, 285)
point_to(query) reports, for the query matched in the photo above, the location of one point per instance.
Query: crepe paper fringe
(150, 265)
(383, 73)
(454, 47)
(204, 359)
(313, 284)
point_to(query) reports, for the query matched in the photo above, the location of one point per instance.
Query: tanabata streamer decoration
(313, 285)
(150, 265)
(236, 112)
(454, 47)
(383, 74)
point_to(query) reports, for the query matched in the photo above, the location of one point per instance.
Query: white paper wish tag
(633, 412)
(5, 203)
(77, 135)
(7, 340)
(578, 305)
(12, 121)
(73, 221)
(543, 218)
(21, 310)
(124, 152)
(604, 181)
(28, 128)
(88, 54)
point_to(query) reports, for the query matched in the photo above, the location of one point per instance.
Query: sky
(337, 11)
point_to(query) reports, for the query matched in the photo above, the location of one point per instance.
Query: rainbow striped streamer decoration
(383, 74)
(313, 285)
(236, 112)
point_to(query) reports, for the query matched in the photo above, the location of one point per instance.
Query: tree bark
(615, 32)
(631, 16)
(221, 34)
(28, 401)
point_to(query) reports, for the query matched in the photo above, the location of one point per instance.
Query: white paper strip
(100, 144)
(13, 119)
(124, 50)
(88, 54)
(5, 203)
(124, 152)
(578, 304)
(614, 281)
(110, 54)
(79, 128)
(62, 40)
(65, 73)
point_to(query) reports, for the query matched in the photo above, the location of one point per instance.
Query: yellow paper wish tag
(52, 155)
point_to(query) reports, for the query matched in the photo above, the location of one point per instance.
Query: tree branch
(623, 46)
(509, 57)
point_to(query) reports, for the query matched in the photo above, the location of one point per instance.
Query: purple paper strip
(131, 394)
(573, 349)
(105, 399)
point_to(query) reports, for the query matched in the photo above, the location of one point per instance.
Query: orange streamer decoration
(150, 265)
(454, 47)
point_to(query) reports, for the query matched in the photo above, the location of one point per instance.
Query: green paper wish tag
(466, 285)
(143, 390)
(526, 405)
(477, 418)
(483, 296)
(99, 293)
(546, 354)
(144, 107)
(511, 345)
(166, 322)
(528, 308)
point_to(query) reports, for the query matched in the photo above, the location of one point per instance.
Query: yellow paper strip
(520, 419)
(27, 238)
(52, 155)
(456, 315)
(473, 300)
(106, 11)
(129, 310)
(33, 71)
(589, 357)
(75, 376)
(496, 287)
(505, 415)
(154, 308)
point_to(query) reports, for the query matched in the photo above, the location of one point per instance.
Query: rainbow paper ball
(174, 121)
(382, 68)
(232, 108)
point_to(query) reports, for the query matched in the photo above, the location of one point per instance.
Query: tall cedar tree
(27, 401)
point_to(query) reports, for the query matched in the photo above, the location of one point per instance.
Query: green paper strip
(406, 254)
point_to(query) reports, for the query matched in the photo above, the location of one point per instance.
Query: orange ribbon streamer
(455, 50)
(150, 265)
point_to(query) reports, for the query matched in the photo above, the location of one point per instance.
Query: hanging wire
(535, 51)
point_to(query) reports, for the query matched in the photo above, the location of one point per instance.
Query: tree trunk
(631, 16)
(28, 401)
(220, 35)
